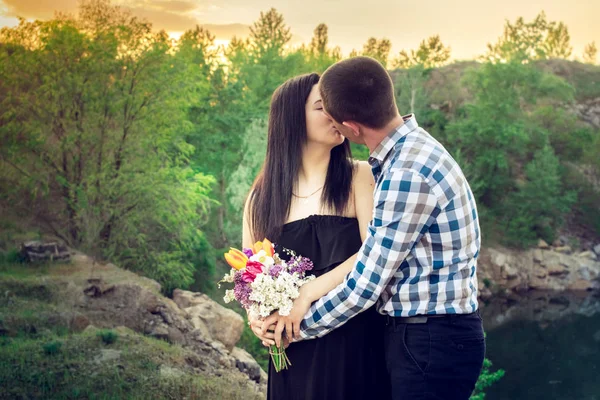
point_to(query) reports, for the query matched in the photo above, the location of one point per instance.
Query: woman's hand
(256, 325)
(290, 323)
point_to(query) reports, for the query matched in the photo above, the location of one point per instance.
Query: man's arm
(405, 207)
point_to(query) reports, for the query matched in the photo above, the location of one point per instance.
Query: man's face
(344, 130)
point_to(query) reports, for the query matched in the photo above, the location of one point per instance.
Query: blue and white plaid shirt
(420, 255)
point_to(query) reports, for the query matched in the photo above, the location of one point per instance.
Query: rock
(597, 249)
(33, 251)
(557, 269)
(159, 332)
(541, 272)
(200, 325)
(538, 283)
(515, 284)
(175, 336)
(538, 255)
(185, 299)
(134, 306)
(557, 243)
(542, 244)
(498, 258)
(221, 323)
(587, 274)
(587, 254)
(107, 355)
(564, 249)
(97, 287)
(510, 272)
(581, 284)
(485, 293)
(245, 363)
(264, 377)
(79, 323)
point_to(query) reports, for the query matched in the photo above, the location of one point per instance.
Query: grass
(69, 367)
(40, 358)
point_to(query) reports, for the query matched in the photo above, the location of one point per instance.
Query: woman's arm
(362, 188)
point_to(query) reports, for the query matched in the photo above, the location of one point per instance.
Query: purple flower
(248, 252)
(241, 290)
(275, 270)
(301, 265)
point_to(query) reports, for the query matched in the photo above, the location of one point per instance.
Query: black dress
(348, 362)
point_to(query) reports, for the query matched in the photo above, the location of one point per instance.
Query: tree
(415, 64)
(557, 44)
(498, 133)
(590, 53)
(318, 56)
(269, 34)
(319, 41)
(378, 49)
(527, 41)
(431, 53)
(538, 208)
(92, 123)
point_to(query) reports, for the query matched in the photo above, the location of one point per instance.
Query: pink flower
(253, 268)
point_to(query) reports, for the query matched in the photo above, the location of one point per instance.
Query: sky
(464, 25)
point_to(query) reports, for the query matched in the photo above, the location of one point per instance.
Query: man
(420, 256)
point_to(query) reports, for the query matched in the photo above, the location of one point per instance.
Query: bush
(108, 336)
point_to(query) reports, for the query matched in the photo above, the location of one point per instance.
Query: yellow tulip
(236, 259)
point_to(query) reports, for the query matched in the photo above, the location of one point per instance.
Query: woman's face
(319, 127)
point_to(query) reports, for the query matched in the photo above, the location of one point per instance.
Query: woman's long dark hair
(271, 195)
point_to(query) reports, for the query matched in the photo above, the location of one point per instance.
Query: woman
(310, 197)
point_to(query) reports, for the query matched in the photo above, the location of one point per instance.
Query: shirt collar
(387, 144)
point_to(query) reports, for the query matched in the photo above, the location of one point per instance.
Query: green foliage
(502, 144)
(537, 208)
(411, 96)
(486, 379)
(108, 336)
(52, 348)
(254, 147)
(28, 372)
(94, 123)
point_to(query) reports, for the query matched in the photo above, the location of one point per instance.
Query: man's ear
(354, 126)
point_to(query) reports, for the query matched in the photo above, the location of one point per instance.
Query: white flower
(263, 258)
(229, 296)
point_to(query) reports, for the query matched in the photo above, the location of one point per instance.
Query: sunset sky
(465, 25)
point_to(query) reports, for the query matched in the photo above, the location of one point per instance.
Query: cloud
(175, 6)
(170, 15)
(37, 9)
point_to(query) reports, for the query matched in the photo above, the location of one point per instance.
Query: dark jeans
(438, 359)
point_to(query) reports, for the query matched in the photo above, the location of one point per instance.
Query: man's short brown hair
(359, 89)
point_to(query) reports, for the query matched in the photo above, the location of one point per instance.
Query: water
(548, 344)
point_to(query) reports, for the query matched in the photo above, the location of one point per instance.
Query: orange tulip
(236, 259)
(268, 247)
(265, 245)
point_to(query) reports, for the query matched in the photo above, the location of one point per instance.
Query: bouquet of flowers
(264, 283)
